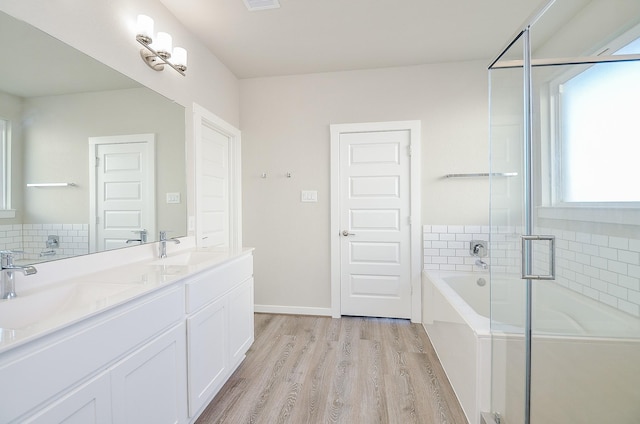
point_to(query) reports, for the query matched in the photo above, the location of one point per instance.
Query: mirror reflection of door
(122, 190)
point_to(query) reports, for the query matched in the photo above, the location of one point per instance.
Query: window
(598, 133)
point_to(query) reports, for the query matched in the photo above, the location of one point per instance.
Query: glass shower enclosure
(565, 216)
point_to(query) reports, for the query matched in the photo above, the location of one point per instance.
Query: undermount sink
(42, 305)
(184, 259)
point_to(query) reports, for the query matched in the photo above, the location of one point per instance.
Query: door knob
(346, 233)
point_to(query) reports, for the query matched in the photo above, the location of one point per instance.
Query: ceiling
(308, 36)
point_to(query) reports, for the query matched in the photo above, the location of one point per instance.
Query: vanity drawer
(38, 371)
(213, 283)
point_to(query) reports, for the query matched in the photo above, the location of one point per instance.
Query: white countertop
(46, 308)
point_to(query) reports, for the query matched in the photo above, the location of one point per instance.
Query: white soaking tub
(455, 315)
(573, 335)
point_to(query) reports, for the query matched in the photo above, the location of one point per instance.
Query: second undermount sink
(184, 259)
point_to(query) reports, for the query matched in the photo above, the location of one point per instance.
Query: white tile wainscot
(127, 343)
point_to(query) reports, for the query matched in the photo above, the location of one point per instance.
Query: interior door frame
(415, 208)
(150, 140)
(203, 117)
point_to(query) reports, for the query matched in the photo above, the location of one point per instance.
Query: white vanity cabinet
(146, 386)
(158, 358)
(149, 386)
(88, 404)
(219, 327)
(114, 368)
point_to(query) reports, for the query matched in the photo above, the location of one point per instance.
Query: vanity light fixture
(157, 53)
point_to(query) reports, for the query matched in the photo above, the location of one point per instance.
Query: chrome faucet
(8, 287)
(482, 264)
(478, 249)
(142, 239)
(163, 243)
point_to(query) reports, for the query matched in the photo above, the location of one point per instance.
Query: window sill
(7, 213)
(624, 215)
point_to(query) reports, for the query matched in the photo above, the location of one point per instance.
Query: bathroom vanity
(151, 341)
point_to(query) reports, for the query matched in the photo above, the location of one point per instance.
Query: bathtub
(573, 337)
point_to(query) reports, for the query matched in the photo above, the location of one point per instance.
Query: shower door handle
(552, 257)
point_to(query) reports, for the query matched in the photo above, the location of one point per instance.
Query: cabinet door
(208, 353)
(240, 321)
(88, 404)
(149, 386)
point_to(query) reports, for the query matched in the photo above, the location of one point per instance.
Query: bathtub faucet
(482, 264)
(478, 248)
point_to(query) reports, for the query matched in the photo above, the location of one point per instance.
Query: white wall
(56, 149)
(105, 30)
(285, 128)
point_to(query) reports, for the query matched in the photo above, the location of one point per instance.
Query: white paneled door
(122, 189)
(375, 227)
(218, 181)
(214, 156)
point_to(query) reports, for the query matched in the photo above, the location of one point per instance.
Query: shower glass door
(564, 115)
(508, 296)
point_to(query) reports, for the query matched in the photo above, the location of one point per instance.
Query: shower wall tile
(604, 268)
(446, 247)
(73, 240)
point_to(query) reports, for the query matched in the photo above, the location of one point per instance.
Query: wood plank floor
(353, 370)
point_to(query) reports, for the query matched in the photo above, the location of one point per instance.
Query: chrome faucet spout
(163, 243)
(141, 240)
(26, 270)
(482, 264)
(8, 270)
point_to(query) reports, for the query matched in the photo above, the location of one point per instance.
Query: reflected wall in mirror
(53, 99)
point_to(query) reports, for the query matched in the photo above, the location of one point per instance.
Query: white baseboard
(292, 310)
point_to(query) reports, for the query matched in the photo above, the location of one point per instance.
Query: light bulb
(180, 57)
(163, 44)
(144, 28)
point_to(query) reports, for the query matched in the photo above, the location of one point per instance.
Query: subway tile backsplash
(31, 239)
(604, 268)
(446, 247)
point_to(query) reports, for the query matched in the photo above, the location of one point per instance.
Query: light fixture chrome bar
(586, 60)
(51, 185)
(483, 174)
(156, 60)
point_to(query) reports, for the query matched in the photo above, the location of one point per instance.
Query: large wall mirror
(88, 157)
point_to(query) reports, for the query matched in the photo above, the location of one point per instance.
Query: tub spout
(482, 264)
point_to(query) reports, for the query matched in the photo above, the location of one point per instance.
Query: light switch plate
(173, 197)
(309, 196)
